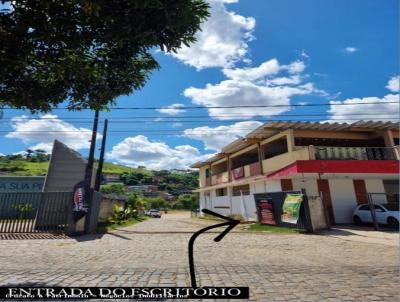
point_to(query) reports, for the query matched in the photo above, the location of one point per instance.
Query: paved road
(276, 267)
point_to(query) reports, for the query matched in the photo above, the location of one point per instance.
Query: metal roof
(271, 128)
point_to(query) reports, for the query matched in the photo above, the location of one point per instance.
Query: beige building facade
(344, 163)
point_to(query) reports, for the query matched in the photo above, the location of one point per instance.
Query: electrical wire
(226, 107)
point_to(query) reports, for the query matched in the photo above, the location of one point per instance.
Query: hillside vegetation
(36, 162)
(19, 166)
(174, 182)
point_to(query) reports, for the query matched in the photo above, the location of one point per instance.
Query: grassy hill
(119, 169)
(174, 182)
(26, 168)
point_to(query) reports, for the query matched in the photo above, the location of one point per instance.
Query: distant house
(108, 177)
(107, 207)
(147, 190)
(347, 164)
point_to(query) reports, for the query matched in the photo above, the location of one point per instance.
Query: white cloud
(222, 41)
(351, 49)
(218, 137)
(253, 73)
(172, 109)
(394, 84)
(43, 131)
(140, 151)
(251, 87)
(295, 67)
(266, 69)
(304, 54)
(292, 80)
(368, 110)
(365, 111)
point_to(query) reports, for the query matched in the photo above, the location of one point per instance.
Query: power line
(143, 131)
(226, 107)
(158, 119)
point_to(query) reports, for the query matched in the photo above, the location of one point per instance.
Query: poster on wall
(291, 208)
(266, 212)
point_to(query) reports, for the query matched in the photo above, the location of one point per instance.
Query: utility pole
(89, 167)
(101, 159)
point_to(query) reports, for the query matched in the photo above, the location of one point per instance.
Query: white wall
(244, 206)
(309, 184)
(343, 199)
(273, 185)
(376, 186)
(257, 187)
(202, 201)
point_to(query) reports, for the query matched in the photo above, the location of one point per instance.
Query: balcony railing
(246, 171)
(219, 178)
(354, 153)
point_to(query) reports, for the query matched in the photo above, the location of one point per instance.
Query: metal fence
(30, 212)
(354, 153)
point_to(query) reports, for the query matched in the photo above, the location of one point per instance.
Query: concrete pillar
(290, 140)
(229, 168)
(389, 143)
(230, 198)
(260, 158)
(311, 150)
(388, 138)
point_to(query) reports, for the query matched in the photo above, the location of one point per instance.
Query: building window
(221, 192)
(239, 190)
(207, 194)
(207, 173)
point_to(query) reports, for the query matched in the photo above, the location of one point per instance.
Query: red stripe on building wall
(361, 191)
(323, 186)
(338, 166)
(286, 184)
(348, 166)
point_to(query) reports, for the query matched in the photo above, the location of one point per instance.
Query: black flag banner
(138, 293)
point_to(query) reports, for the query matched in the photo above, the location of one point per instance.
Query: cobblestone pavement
(276, 267)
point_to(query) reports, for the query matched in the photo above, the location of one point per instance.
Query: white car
(385, 214)
(155, 213)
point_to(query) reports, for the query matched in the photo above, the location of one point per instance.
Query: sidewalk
(365, 234)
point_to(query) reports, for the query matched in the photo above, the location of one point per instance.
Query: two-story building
(345, 163)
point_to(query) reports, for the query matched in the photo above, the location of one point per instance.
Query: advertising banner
(291, 208)
(81, 199)
(266, 212)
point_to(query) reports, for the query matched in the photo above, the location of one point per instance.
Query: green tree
(112, 188)
(29, 153)
(187, 202)
(87, 52)
(154, 203)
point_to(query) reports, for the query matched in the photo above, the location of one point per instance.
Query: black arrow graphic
(231, 223)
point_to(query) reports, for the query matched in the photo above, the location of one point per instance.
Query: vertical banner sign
(266, 212)
(291, 208)
(81, 199)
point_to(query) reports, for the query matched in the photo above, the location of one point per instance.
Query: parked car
(388, 214)
(154, 213)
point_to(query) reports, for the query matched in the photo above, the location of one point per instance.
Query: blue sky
(250, 52)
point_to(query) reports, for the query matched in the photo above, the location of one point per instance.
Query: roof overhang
(271, 128)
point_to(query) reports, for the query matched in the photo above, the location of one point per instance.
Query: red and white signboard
(266, 212)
